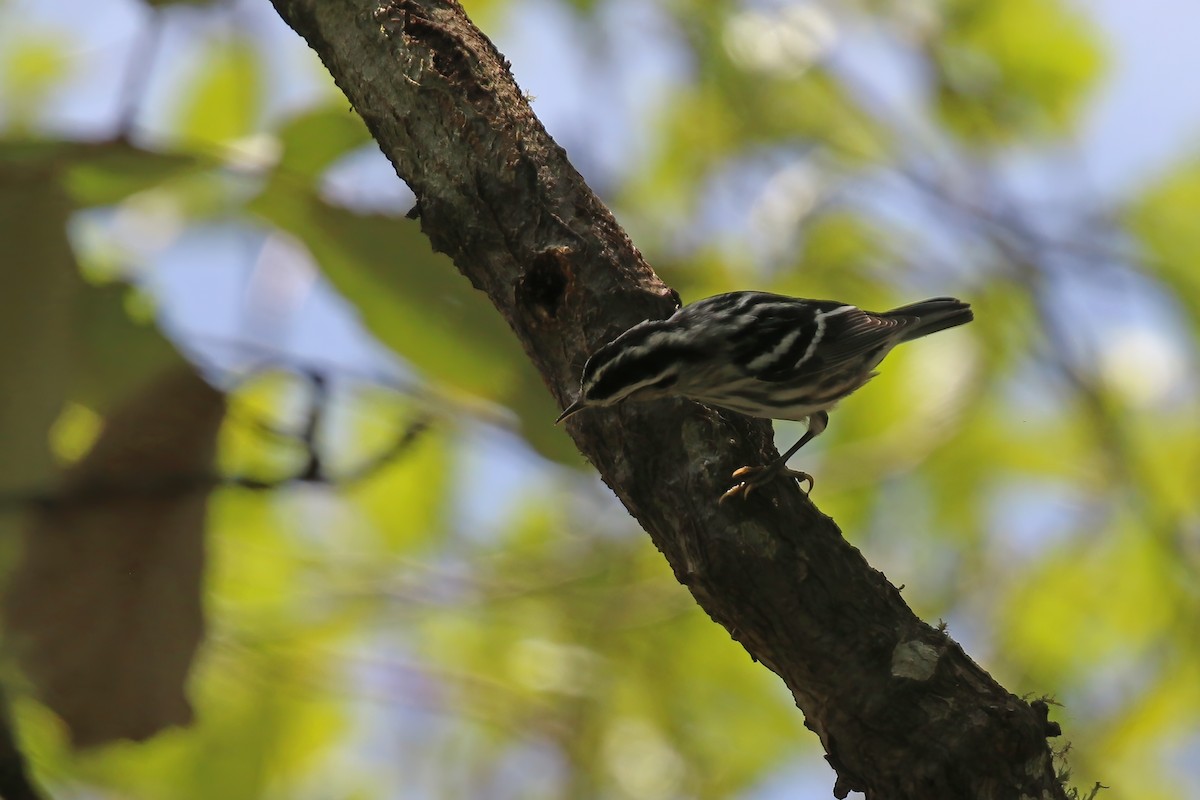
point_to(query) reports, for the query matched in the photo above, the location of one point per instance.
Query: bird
(760, 354)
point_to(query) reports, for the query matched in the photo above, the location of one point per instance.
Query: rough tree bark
(900, 709)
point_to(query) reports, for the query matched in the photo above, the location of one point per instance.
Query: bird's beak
(578, 405)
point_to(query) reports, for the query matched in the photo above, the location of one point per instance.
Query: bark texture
(900, 709)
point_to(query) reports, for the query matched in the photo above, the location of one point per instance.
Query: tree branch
(901, 711)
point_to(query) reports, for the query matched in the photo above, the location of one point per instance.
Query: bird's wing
(807, 341)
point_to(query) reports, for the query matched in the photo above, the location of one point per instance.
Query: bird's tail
(936, 314)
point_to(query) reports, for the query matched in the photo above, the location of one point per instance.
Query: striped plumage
(760, 354)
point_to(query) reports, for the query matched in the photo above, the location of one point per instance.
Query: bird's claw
(755, 477)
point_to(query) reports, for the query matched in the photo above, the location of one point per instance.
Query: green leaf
(114, 353)
(224, 100)
(575, 626)
(30, 69)
(416, 302)
(1164, 218)
(314, 140)
(408, 497)
(411, 298)
(1017, 68)
(1084, 606)
(110, 172)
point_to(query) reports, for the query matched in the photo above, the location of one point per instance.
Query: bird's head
(634, 363)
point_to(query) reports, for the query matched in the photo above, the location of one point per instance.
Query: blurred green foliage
(476, 617)
(1015, 69)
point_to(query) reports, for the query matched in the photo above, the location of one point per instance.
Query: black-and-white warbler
(760, 354)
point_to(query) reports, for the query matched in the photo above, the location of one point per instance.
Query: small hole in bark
(542, 286)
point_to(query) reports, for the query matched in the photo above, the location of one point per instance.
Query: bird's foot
(750, 478)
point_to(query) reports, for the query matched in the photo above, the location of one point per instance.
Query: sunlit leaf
(108, 173)
(1081, 608)
(836, 250)
(30, 68)
(223, 100)
(265, 722)
(410, 298)
(74, 432)
(407, 498)
(1014, 68)
(1164, 218)
(115, 353)
(313, 141)
(417, 303)
(1161, 716)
